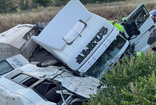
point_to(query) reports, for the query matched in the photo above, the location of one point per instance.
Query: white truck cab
(11, 63)
(82, 40)
(137, 28)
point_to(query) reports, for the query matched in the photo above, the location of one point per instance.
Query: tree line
(12, 5)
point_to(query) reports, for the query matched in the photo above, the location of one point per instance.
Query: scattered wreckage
(69, 53)
(31, 85)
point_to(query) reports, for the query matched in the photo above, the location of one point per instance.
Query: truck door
(137, 28)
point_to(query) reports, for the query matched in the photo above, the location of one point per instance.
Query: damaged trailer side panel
(17, 40)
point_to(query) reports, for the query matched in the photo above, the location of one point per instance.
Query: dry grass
(107, 10)
(8, 21)
(118, 9)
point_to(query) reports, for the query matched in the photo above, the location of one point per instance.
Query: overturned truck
(87, 44)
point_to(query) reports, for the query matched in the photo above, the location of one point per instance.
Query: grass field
(106, 10)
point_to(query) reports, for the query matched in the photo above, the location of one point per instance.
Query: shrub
(18, 10)
(34, 10)
(141, 91)
(50, 8)
(129, 83)
(7, 14)
(42, 8)
(42, 2)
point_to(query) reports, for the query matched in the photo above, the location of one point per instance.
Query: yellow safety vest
(117, 25)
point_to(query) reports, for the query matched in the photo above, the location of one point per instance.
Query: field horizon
(41, 14)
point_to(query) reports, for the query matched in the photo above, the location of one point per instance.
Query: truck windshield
(106, 58)
(5, 67)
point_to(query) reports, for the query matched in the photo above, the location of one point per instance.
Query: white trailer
(17, 40)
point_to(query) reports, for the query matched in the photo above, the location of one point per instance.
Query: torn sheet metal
(18, 94)
(85, 86)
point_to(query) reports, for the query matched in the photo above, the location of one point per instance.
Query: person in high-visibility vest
(138, 54)
(114, 22)
(123, 18)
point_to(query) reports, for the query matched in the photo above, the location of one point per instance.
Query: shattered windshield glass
(5, 67)
(100, 65)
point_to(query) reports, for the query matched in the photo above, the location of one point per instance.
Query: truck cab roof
(61, 24)
(71, 31)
